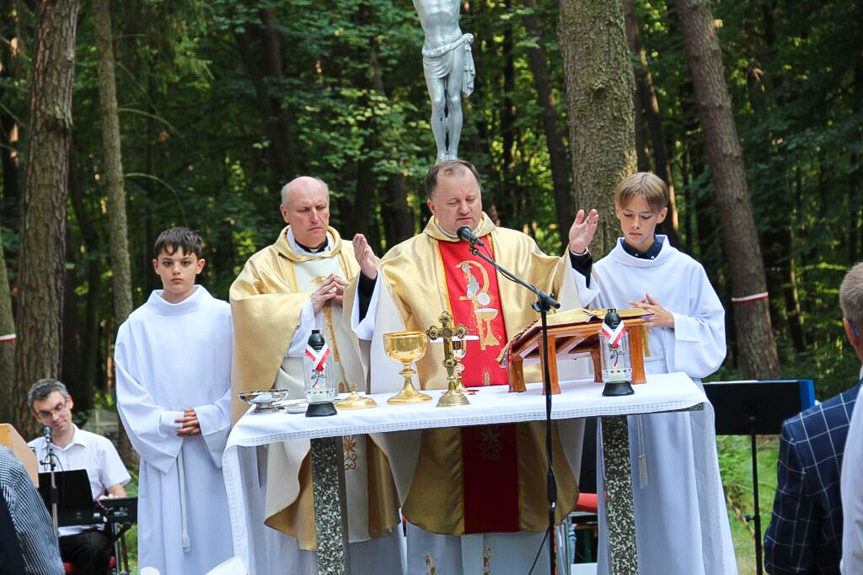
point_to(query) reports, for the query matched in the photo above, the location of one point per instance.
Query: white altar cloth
(246, 487)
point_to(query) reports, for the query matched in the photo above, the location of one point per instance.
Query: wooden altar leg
(597, 363)
(636, 342)
(618, 495)
(331, 513)
(515, 371)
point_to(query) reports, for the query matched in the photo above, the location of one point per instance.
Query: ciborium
(406, 347)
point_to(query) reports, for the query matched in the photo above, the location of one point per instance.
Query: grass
(735, 463)
(131, 536)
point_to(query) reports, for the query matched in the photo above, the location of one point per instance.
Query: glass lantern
(318, 376)
(616, 361)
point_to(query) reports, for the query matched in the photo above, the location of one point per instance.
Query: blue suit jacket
(805, 533)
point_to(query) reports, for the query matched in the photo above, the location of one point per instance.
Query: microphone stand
(543, 304)
(50, 460)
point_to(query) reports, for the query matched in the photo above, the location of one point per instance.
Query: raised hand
(582, 230)
(365, 257)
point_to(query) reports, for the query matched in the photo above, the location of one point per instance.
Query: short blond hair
(648, 186)
(851, 295)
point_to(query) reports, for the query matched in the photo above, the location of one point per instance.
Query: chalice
(406, 347)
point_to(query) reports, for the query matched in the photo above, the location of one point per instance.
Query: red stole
(474, 300)
(489, 452)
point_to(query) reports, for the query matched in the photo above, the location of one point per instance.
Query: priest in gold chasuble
(284, 291)
(475, 497)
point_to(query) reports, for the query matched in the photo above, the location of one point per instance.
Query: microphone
(46, 433)
(466, 235)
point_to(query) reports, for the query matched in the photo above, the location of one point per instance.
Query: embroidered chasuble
(267, 299)
(489, 478)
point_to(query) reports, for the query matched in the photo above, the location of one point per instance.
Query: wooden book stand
(567, 339)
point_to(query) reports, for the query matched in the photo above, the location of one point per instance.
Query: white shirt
(852, 496)
(89, 451)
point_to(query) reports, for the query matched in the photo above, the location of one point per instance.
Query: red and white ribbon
(613, 336)
(753, 297)
(318, 357)
(8, 337)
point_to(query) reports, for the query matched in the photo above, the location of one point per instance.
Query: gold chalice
(406, 347)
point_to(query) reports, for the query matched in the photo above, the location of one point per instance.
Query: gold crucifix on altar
(446, 331)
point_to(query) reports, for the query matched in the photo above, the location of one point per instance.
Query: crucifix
(446, 331)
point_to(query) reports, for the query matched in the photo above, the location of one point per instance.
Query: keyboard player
(67, 447)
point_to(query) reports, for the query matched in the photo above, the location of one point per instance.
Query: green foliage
(207, 89)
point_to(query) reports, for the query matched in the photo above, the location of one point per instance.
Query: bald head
(303, 183)
(306, 208)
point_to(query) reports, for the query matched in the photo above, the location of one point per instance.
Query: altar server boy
(680, 513)
(173, 358)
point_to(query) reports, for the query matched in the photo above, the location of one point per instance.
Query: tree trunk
(9, 210)
(648, 104)
(553, 137)
(121, 278)
(120, 267)
(275, 120)
(43, 217)
(599, 92)
(7, 346)
(397, 214)
(398, 217)
(8, 125)
(758, 355)
(88, 334)
(280, 120)
(507, 200)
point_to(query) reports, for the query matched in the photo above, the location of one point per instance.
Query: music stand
(757, 407)
(75, 501)
(121, 513)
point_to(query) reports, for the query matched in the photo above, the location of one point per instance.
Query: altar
(246, 483)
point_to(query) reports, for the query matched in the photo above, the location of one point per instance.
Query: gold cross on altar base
(446, 331)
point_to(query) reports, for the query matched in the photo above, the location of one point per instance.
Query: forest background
(161, 113)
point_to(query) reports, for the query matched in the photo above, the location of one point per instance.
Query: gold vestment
(415, 279)
(266, 304)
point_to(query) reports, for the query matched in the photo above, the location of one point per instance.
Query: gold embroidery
(349, 445)
(431, 565)
(489, 445)
(480, 299)
(486, 560)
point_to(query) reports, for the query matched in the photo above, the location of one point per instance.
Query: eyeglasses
(58, 409)
(854, 328)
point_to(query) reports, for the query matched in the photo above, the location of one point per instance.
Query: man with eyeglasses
(88, 548)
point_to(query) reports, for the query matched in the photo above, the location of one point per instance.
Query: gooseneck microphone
(47, 433)
(465, 234)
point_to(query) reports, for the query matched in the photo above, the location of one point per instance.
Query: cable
(538, 551)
